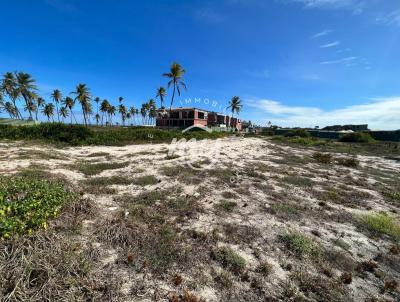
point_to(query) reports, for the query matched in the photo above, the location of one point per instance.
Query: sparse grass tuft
(88, 168)
(265, 268)
(300, 244)
(298, 181)
(381, 223)
(323, 158)
(146, 180)
(350, 162)
(225, 205)
(229, 259)
(108, 181)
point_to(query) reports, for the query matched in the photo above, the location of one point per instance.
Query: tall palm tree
(11, 110)
(64, 113)
(104, 106)
(9, 86)
(176, 80)
(120, 99)
(70, 103)
(97, 116)
(132, 111)
(111, 111)
(48, 111)
(161, 94)
(83, 96)
(122, 110)
(151, 106)
(235, 105)
(26, 87)
(143, 112)
(57, 97)
(39, 104)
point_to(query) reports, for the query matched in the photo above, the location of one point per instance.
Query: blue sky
(293, 62)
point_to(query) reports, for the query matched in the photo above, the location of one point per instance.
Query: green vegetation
(226, 205)
(88, 168)
(356, 137)
(27, 204)
(381, 223)
(146, 180)
(350, 162)
(229, 259)
(298, 181)
(108, 181)
(393, 196)
(300, 244)
(80, 135)
(323, 158)
(297, 132)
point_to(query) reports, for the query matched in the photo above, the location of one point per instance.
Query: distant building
(355, 128)
(186, 117)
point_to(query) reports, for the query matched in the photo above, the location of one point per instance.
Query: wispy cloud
(344, 60)
(329, 45)
(391, 18)
(209, 15)
(322, 33)
(381, 113)
(329, 3)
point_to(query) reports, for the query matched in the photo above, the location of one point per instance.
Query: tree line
(18, 88)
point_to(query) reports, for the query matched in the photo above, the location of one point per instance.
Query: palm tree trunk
(170, 107)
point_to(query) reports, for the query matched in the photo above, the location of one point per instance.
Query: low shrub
(226, 205)
(350, 162)
(323, 158)
(229, 259)
(297, 132)
(381, 224)
(356, 137)
(299, 244)
(27, 204)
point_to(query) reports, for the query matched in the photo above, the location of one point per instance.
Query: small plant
(298, 181)
(265, 268)
(381, 223)
(229, 259)
(323, 158)
(89, 169)
(146, 180)
(300, 244)
(226, 205)
(350, 162)
(356, 137)
(27, 204)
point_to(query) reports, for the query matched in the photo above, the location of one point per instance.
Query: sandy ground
(256, 196)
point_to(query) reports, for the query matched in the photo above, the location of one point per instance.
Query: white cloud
(392, 18)
(382, 113)
(328, 3)
(322, 33)
(344, 60)
(329, 45)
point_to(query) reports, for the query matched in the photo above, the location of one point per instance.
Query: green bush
(55, 132)
(356, 137)
(229, 259)
(27, 204)
(111, 136)
(298, 132)
(267, 132)
(300, 244)
(381, 223)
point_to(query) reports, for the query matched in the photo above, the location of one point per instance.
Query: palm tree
(235, 105)
(9, 86)
(26, 87)
(70, 103)
(39, 104)
(31, 106)
(143, 112)
(132, 111)
(83, 96)
(161, 94)
(48, 111)
(120, 99)
(176, 80)
(64, 113)
(151, 106)
(57, 97)
(111, 111)
(104, 106)
(11, 110)
(97, 116)
(123, 112)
